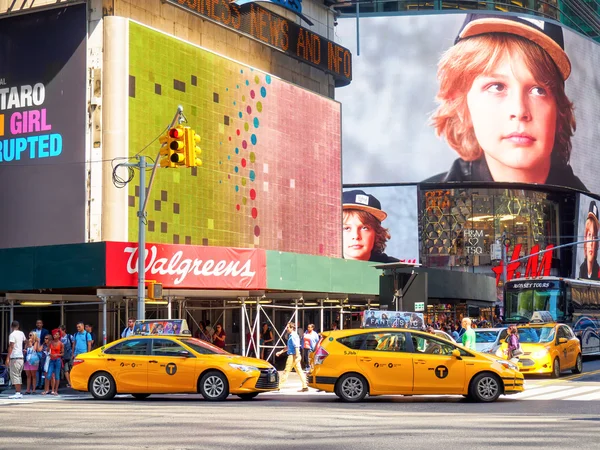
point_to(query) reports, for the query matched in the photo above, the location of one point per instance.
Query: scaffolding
(242, 313)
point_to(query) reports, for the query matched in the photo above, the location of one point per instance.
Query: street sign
(497, 251)
(419, 306)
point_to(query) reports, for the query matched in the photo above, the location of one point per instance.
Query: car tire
(351, 388)
(556, 371)
(485, 387)
(140, 396)
(214, 386)
(578, 365)
(247, 397)
(102, 386)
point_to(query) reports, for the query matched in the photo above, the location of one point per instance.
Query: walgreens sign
(187, 266)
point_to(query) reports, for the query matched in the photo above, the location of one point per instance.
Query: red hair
(472, 57)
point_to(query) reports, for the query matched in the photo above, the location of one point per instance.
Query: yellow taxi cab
(548, 348)
(391, 361)
(142, 365)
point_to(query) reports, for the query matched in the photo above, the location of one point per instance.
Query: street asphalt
(561, 413)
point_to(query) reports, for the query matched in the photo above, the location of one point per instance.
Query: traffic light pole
(142, 165)
(141, 297)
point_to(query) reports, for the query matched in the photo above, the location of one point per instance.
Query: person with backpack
(514, 345)
(32, 361)
(67, 341)
(82, 341)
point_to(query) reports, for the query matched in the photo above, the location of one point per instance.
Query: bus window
(522, 303)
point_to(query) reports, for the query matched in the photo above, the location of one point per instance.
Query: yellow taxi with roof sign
(548, 348)
(154, 363)
(390, 361)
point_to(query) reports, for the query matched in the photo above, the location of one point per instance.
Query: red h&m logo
(532, 269)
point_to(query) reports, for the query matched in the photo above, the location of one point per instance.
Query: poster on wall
(470, 97)
(271, 152)
(42, 127)
(586, 255)
(380, 224)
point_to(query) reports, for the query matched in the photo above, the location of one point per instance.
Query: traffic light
(192, 153)
(173, 147)
(154, 290)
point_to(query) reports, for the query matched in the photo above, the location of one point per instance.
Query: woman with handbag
(32, 361)
(514, 345)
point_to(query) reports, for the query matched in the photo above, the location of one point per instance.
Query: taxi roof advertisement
(42, 127)
(470, 97)
(187, 266)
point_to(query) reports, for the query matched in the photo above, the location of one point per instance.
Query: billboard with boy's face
(271, 152)
(470, 97)
(586, 255)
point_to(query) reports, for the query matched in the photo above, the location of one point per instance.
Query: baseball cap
(593, 211)
(547, 35)
(364, 202)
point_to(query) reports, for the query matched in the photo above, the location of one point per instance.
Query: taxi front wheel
(351, 387)
(556, 370)
(214, 386)
(102, 386)
(485, 387)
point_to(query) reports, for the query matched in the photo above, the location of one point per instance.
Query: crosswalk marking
(568, 394)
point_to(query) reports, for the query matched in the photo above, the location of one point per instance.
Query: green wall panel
(55, 266)
(297, 272)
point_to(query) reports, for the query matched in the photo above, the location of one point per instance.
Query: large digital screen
(380, 224)
(42, 127)
(271, 152)
(470, 97)
(586, 255)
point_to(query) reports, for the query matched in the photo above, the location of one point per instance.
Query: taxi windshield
(203, 347)
(483, 336)
(537, 335)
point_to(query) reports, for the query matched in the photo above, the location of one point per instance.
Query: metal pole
(258, 328)
(103, 319)
(169, 308)
(503, 262)
(62, 312)
(321, 314)
(141, 306)
(357, 29)
(243, 318)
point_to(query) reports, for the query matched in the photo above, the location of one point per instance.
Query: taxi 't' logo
(171, 369)
(441, 371)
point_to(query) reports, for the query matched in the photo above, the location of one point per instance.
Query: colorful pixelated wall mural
(271, 152)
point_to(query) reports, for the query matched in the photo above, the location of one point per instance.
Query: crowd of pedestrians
(45, 356)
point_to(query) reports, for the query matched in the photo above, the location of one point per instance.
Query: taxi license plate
(1, 380)
(271, 378)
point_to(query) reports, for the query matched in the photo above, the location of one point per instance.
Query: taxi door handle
(420, 361)
(153, 361)
(365, 359)
(110, 359)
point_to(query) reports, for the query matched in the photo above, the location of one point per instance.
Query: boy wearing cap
(589, 268)
(502, 103)
(363, 236)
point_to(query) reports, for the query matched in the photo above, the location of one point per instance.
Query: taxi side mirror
(562, 340)
(456, 353)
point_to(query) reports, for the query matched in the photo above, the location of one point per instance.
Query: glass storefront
(463, 228)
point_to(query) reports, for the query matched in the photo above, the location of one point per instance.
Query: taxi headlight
(507, 364)
(540, 353)
(244, 368)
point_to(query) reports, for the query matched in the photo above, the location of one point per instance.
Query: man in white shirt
(14, 358)
(129, 330)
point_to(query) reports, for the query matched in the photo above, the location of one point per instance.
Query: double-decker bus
(574, 302)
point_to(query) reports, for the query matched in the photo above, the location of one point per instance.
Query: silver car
(488, 340)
